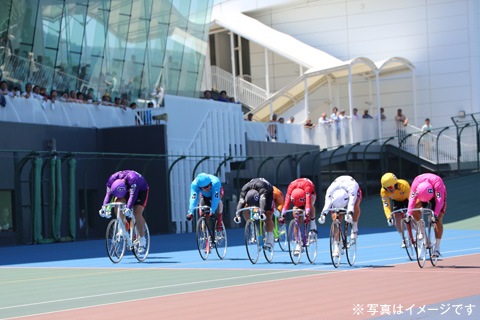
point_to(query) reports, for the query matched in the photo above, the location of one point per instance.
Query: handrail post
(459, 147)
(400, 158)
(348, 153)
(217, 173)
(278, 166)
(261, 165)
(438, 137)
(298, 162)
(418, 152)
(330, 161)
(381, 153)
(196, 166)
(365, 165)
(169, 192)
(478, 141)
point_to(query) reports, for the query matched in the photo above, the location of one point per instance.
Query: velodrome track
(78, 281)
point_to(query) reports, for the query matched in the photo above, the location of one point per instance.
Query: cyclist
(278, 200)
(426, 189)
(258, 192)
(344, 192)
(398, 190)
(209, 188)
(129, 187)
(301, 193)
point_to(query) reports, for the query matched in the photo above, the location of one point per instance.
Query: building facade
(120, 47)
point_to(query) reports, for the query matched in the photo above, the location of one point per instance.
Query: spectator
(292, 119)
(382, 115)
(250, 117)
(232, 100)
(335, 119)
(281, 120)
(366, 115)
(72, 97)
(342, 116)
(207, 95)
(36, 93)
(43, 92)
(80, 97)
(355, 114)
(106, 100)
(401, 122)
(133, 106)
(223, 96)
(117, 101)
(334, 115)
(323, 119)
(17, 91)
(272, 129)
(90, 97)
(64, 97)
(427, 139)
(28, 91)
(4, 89)
(150, 105)
(308, 124)
(53, 95)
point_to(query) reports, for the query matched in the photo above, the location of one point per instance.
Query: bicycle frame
(297, 214)
(427, 237)
(256, 216)
(343, 237)
(119, 212)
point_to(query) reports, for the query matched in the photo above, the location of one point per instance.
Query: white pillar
(232, 52)
(350, 101)
(377, 76)
(267, 76)
(307, 111)
(414, 97)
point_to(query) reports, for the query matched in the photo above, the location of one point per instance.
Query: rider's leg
(138, 213)
(269, 227)
(313, 226)
(439, 231)
(356, 216)
(219, 213)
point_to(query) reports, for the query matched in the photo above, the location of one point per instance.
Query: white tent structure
(322, 68)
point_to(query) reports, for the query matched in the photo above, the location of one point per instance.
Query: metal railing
(247, 93)
(21, 71)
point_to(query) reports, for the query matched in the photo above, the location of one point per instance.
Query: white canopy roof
(276, 41)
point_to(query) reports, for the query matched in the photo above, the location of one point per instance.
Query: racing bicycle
(255, 234)
(300, 237)
(122, 233)
(409, 233)
(427, 241)
(340, 239)
(208, 237)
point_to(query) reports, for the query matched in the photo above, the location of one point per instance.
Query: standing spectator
(133, 106)
(335, 119)
(281, 120)
(323, 119)
(355, 114)
(223, 96)
(427, 139)
(207, 95)
(382, 115)
(272, 129)
(309, 124)
(36, 93)
(366, 115)
(53, 95)
(28, 91)
(342, 115)
(250, 117)
(4, 89)
(80, 97)
(401, 122)
(292, 119)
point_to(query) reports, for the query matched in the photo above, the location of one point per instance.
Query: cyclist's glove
(390, 222)
(237, 219)
(349, 216)
(407, 218)
(434, 219)
(101, 212)
(281, 220)
(321, 220)
(128, 213)
(189, 216)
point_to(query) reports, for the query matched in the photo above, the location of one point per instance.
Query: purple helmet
(119, 189)
(425, 191)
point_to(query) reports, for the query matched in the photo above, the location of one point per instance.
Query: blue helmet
(252, 198)
(119, 189)
(203, 180)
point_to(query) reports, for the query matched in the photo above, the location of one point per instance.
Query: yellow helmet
(388, 180)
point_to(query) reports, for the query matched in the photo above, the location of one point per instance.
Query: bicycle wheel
(311, 245)
(409, 236)
(220, 240)
(251, 241)
(421, 243)
(431, 243)
(116, 241)
(335, 252)
(203, 237)
(267, 251)
(282, 237)
(295, 241)
(141, 252)
(350, 244)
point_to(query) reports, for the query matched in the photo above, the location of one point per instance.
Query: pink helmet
(298, 197)
(119, 189)
(425, 191)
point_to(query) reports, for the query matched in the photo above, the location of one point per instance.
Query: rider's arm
(308, 201)
(133, 196)
(108, 196)
(386, 202)
(352, 198)
(440, 195)
(286, 204)
(412, 199)
(216, 187)
(194, 194)
(243, 193)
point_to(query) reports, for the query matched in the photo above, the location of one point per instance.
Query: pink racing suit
(439, 191)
